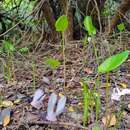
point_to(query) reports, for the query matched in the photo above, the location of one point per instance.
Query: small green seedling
(24, 50)
(97, 104)
(61, 25)
(90, 98)
(86, 96)
(121, 27)
(52, 63)
(113, 62)
(9, 49)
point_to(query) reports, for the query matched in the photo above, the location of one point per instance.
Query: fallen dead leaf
(109, 120)
(123, 85)
(61, 94)
(71, 109)
(128, 75)
(104, 85)
(80, 104)
(5, 117)
(88, 70)
(6, 120)
(128, 60)
(129, 106)
(32, 116)
(17, 101)
(33, 129)
(6, 104)
(124, 113)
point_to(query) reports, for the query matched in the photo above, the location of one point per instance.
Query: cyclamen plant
(111, 64)
(61, 26)
(9, 49)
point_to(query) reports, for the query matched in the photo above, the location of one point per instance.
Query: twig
(61, 124)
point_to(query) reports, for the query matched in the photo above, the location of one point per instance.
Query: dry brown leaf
(104, 85)
(33, 129)
(88, 70)
(109, 120)
(6, 104)
(71, 109)
(129, 106)
(17, 101)
(123, 85)
(6, 120)
(128, 60)
(128, 75)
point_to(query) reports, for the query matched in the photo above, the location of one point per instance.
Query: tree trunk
(48, 13)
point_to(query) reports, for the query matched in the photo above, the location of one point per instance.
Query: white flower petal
(118, 93)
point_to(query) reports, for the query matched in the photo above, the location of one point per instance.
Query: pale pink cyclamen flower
(51, 112)
(38, 98)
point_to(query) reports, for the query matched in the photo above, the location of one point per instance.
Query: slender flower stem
(64, 59)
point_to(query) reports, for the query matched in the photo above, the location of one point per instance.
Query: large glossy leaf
(89, 25)
(61, 23)
(113, 62)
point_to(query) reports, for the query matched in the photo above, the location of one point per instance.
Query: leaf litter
(75, 71)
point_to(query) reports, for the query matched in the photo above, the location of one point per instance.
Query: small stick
(61, 124)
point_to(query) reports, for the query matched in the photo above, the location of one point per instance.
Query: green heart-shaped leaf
(89, 25)
(61, 23)
(113, 62)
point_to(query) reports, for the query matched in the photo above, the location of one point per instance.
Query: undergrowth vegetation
(49, 80)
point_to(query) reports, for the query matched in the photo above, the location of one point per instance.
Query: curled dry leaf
(37, 101)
